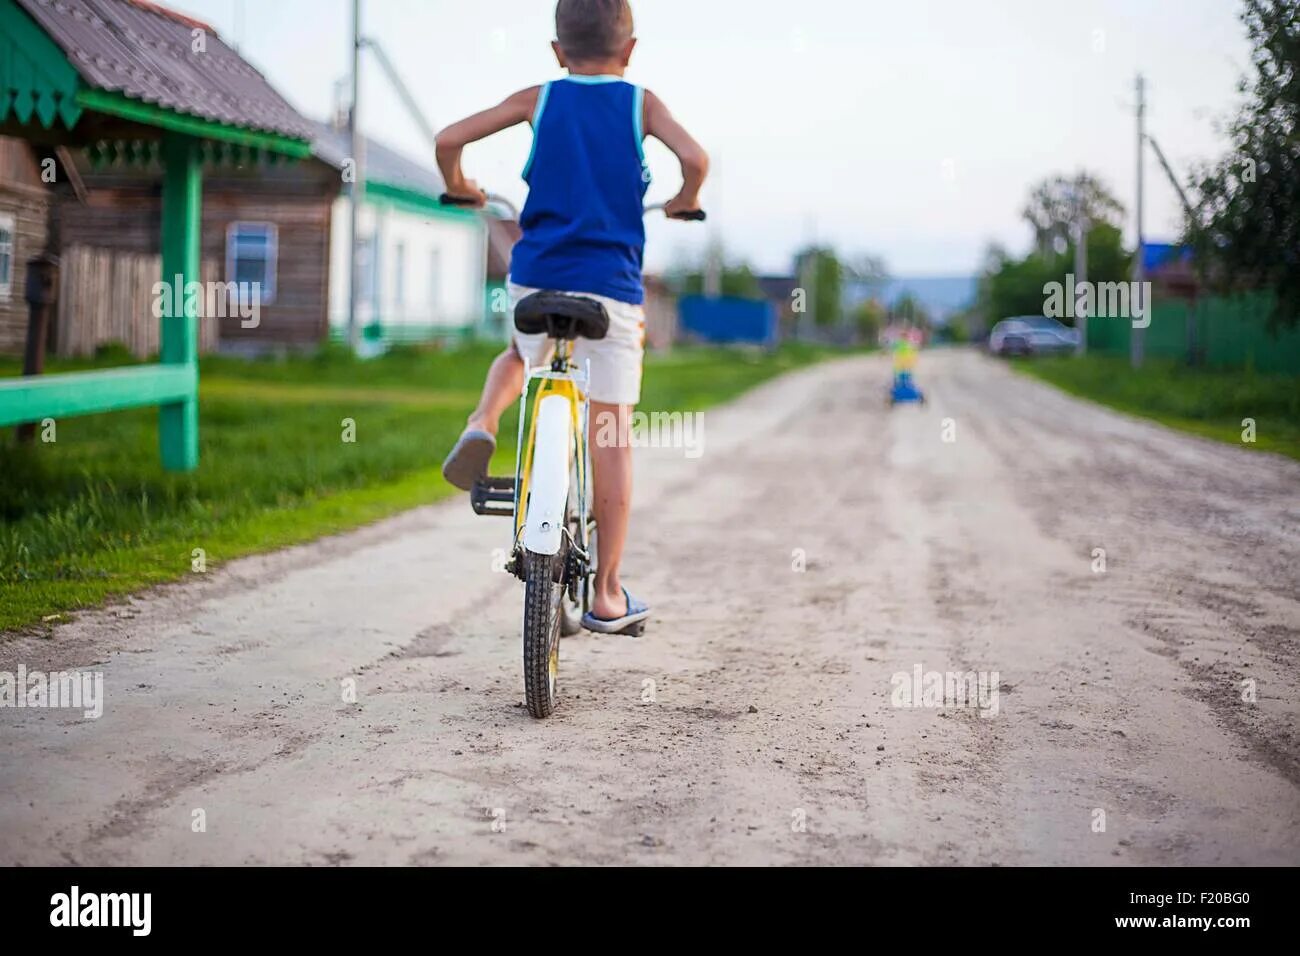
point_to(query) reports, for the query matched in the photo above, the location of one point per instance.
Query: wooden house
(282, 224)
(263, 222)
(133, 84)
(265, 217)
(24, 210)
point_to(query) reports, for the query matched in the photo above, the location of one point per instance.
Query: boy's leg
(504, 380)
(468, 460)
(611, 461)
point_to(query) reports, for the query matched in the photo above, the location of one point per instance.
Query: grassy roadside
(1208, 402)
(92, 515)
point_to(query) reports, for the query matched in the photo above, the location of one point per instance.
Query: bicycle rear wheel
(543, 614)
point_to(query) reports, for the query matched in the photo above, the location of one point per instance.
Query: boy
(583, 233)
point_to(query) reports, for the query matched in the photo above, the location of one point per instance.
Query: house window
(399, 276)
(6, 256)
(251, 251)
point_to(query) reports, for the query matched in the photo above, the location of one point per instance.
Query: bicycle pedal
(493, 496)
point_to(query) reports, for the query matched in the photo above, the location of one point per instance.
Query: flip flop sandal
(633, 622)
(468, 461)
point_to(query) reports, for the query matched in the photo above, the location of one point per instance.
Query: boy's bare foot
(610, 606)
(616, 614)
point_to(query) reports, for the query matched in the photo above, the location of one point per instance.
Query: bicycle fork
(551, 451)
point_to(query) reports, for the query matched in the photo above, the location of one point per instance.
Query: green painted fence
(1228, 332)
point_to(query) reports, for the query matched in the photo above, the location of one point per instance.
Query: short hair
(592, 29)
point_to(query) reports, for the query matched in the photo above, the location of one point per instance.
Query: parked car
(1032, 335)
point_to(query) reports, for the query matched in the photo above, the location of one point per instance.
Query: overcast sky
(910, 128)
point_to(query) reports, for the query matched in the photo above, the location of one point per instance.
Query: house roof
(333, 145)
(1162, 256)
(145, 52)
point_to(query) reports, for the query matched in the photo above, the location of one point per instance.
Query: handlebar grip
(695, 215)
(447, 199)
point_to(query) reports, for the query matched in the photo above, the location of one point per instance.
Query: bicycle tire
(543, 595)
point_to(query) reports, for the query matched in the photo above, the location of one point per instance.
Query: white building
(423, 265)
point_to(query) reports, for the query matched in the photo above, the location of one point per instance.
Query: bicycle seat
(561, 316)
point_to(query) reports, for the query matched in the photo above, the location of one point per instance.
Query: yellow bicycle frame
(552, 383)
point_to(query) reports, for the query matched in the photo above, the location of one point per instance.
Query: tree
(868, 319)
(869, 270)
(830, 289)
(1249, 229)
(738, 280)
(962, 326)
(1051, 210)
(826, 297)
(1015, 286)
(1108, 260)
(907, 308)
(1011, 286)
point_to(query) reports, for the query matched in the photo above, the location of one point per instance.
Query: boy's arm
(452, 141)
(660, 124)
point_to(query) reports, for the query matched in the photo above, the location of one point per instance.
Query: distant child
(582, 233)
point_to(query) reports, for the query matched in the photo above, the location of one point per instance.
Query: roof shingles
(146, 53)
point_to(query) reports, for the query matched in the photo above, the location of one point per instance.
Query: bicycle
(553, 539)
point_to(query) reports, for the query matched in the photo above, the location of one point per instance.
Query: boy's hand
(683, 202)
(467, 190)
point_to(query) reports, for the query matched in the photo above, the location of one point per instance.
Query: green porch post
(182, 211)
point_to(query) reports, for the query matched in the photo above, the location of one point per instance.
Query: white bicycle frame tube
(554, 448)
(548, 488)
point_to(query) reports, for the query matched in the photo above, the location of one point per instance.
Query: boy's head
(593, 32)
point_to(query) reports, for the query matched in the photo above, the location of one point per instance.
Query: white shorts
(615, 360)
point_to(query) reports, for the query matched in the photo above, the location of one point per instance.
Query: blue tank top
(582, 224)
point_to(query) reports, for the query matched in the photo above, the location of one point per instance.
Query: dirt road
(821, 545)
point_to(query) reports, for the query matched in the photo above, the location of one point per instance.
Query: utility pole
(1081, 225)
(1137, 341)
(1194, 221)
(807, 323)
(808, 280)
(712, 278)
(714, 253)
(358, 190)
(1192, 216)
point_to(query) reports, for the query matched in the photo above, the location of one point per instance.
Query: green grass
(1207, 402)
(92, 516)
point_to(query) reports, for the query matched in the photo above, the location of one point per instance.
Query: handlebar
(447, 199)
(693, 215)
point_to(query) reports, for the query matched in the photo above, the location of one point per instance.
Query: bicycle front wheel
(543, 614)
